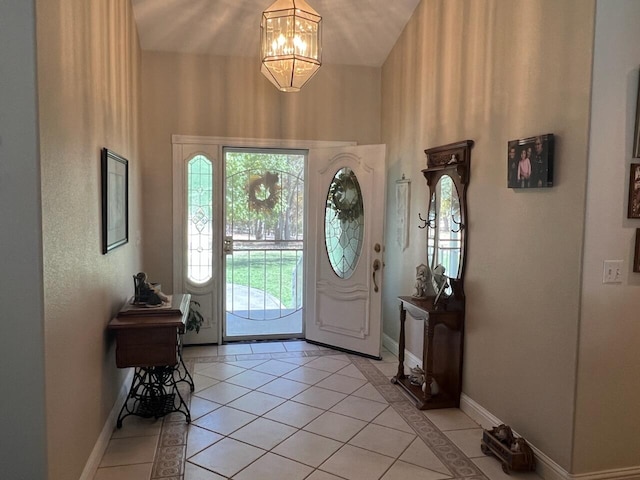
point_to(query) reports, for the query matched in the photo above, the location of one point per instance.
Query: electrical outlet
(612, 272)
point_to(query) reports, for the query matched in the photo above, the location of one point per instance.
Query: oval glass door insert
(344, 223)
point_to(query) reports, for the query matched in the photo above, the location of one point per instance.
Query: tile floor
(291, 410)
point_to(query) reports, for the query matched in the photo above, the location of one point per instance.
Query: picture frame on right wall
(636, 256)
(634, 191)
(530, 162)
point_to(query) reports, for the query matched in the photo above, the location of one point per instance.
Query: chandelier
(290, 44)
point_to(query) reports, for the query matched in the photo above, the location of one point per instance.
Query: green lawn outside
(271, 271)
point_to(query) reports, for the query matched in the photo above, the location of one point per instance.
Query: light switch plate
(612, 272)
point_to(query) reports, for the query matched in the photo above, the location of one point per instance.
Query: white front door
(345, 247)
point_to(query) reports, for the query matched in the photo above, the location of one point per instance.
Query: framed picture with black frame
(115, 200)
(636, 255)
(634, 191)
(530, 162)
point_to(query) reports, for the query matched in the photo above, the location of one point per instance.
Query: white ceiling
(355, 32)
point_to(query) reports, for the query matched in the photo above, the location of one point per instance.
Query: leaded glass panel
(200, 220)
(344, 223)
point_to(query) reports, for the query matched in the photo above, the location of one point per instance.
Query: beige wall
(88, 87)
(229, 97)
(493, 71)
(607, 414)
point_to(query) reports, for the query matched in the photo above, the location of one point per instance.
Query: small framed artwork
(636, 256)
(530, 162)
(115, 200)
(634, 191)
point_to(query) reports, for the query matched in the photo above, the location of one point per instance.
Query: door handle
(227, 247)
(376, 267)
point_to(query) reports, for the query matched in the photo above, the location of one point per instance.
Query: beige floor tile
(383, 440)
(338, 356)
(227, 457)
(221, 371)
(192, 351)
(200, 406)
(389, 357)
(388, 369)
(251, 379)
(141, 471)
(468, 441)
(450, 419)
(223, 392)
(310, 376)
(299, 346)
(275, 367)
(127, 451)
(225, 420)
(194, 472)
(283, 387)
(263, 433)
(294, 414)
(270, 347)
(274, 467)
(248, 363)
(351, 371)
(341, 383)
(200, 438)
(134, 426)
(320, 475)
(402, 471)
(234, 349)
(257, 403)
(297, 360)
(202, 381)
(360, 408)
(198, 367)
(492, 468)
(327, 364)
(319, 397)
(421, 455)
(390, 418)
(355, 463)
(307, 448)
(369, 392)
(336, 426)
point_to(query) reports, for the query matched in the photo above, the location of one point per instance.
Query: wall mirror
(447, 175)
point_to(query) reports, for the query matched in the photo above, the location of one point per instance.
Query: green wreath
(347, 209)
(266, 186)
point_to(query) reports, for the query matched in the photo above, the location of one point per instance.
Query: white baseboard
(410, 360)
(93, 462)
(545, 466)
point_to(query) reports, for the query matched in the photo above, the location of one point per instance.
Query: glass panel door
(264, 211)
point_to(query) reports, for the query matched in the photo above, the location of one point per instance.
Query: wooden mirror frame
(453, 160)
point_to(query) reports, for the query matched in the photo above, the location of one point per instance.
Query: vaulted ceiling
(355, 32)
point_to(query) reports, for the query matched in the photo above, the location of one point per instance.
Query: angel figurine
(422, 281)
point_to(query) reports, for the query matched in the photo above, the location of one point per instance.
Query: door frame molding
(179, 185)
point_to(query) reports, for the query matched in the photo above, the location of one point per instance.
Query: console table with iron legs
(151, 344)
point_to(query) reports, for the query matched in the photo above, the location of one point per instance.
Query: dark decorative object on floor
(194, 318)
(514, 453)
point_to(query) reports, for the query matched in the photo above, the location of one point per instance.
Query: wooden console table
(149, 341)
(441, 354)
